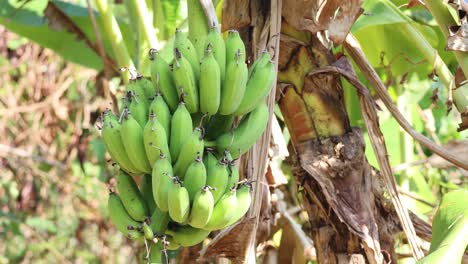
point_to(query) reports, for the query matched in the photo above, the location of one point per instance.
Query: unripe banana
(188, 236)
(202, 208)
(161, 181)
(160, 109)
(223, 211)
(192, 147)
(218, 125)
(181, 126)
(234, 85)
(185, 82)
(195, 177)
(217, 177)
(233, 175)
(147, 192)
(111, 130)
(234, 44)
(209, 159)
(210, 83)
(163, 80)
(131, 197)
(198, 25)
(141, 87)
(155, 140)
(147, 231)
(159, 221)
(244, 199)
(259, 85)
(179, 201)
(259, 62)
(148, 88)
(246, 133)
(185, 46)
(132, 137)
(215, 39)
(118, 215)
(139, 109)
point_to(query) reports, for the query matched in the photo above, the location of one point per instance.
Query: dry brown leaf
(231, 242)
(235, 14)
(333, 16)
(458, 40)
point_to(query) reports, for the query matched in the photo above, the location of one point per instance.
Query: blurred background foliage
(55, 172)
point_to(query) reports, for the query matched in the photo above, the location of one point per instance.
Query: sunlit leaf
(449, 229)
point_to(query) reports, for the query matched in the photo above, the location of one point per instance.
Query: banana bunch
(176, 134)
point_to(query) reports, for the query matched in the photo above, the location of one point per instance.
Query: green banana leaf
(29, 21)
(382, 34)
(449, 229)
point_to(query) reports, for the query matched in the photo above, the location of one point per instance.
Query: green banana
(179, 201)
(147, 192)
(244, 199)
(159, 221)
(198, 25)
(217, 177)
(259, 85)
(234, 45)
(215, 39)
(148, 88)
(233, 175)
(218, 125)
(260, 62)
(210, 83)
(118, 215)
(139, 86)
(223, 211)
(132, 137)
(161, 181)
(155, 140)
(188, 236)
(111, 130)
(185, 46)
(139, 109)
(234, 85)
(147, 230)
(246, 133)
(184, 79)
(162, 79)
(181, 126)
(131, 197)
(195, 177)
(209, 159)
(202, 208)
(160, 109)
(192, 147)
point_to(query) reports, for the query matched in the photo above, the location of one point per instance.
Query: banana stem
(145, 21)
(112, 30)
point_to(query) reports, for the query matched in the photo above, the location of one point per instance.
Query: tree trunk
(350, 219)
